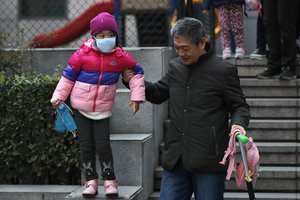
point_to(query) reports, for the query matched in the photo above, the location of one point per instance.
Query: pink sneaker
(226, 54)
(239, 53)
(111, 188)
(90, 188)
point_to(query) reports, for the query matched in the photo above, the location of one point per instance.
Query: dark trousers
(261, 41)
(94, 138)
(280, 24)
(180, 184)
(298, 21)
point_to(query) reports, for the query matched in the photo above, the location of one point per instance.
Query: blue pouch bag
(64, 120)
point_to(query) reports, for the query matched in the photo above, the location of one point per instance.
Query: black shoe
(288, 73)
(258, 54)
(269, 73)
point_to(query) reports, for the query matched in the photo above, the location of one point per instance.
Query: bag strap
(71, 111)
(231, 151)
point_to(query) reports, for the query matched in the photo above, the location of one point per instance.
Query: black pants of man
(280, 24)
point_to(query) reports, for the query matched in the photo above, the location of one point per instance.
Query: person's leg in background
(287, 20)
(176, 184)
(270, 19)
(298, 30)
(237, 27)
(273, 33)
(261, 42)
(223, 14)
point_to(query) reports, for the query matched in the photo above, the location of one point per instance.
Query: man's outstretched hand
(127, 74)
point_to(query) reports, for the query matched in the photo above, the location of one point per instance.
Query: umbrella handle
(244, 140)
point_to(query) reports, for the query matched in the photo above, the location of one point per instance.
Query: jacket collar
(208, 54)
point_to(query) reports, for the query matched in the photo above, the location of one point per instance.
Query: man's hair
(189, 28)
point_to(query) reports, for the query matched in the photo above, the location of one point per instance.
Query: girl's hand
(56, 102)
(135, 106)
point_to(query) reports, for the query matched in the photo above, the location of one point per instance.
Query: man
(203, 92)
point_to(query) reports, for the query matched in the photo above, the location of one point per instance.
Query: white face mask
(106, 45)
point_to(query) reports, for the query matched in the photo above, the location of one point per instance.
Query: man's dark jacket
(201, 96)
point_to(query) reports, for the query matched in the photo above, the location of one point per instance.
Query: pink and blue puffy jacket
(91, 77)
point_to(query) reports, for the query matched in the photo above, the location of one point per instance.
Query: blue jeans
(179, 184)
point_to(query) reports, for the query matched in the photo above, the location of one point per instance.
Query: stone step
(250, 68)
(279, 153)
(275, 153)
(244, 196)
(133, 160)
(286, 179)
(274, 108)
(277, 130)
(125, 192)
(129, 156)
(273, 130)
(35, 192)
(272, 88)
(265, 172)
(60, 192)
(122, 120)
(262, 196)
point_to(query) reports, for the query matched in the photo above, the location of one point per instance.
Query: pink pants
(231, 19)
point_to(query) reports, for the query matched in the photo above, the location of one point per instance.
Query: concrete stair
(244, 196)
(57, 192)
(125, 192)
(284, 177)
(274, 125)
(274, 108)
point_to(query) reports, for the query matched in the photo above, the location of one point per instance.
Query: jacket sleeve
(235, 99)
(137, 85)
(158, 92)
(63, 89)
(68, 78)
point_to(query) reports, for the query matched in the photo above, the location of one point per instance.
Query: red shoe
(111, 188)
(90, 188)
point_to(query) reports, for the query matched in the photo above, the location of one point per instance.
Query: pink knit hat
(103, 21)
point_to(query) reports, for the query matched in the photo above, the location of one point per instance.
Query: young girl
(90, 79)
(230, 14)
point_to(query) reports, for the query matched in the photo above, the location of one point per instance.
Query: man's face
(188, 51)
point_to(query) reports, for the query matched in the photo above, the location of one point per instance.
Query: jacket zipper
(216, 143)
(98, 84)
